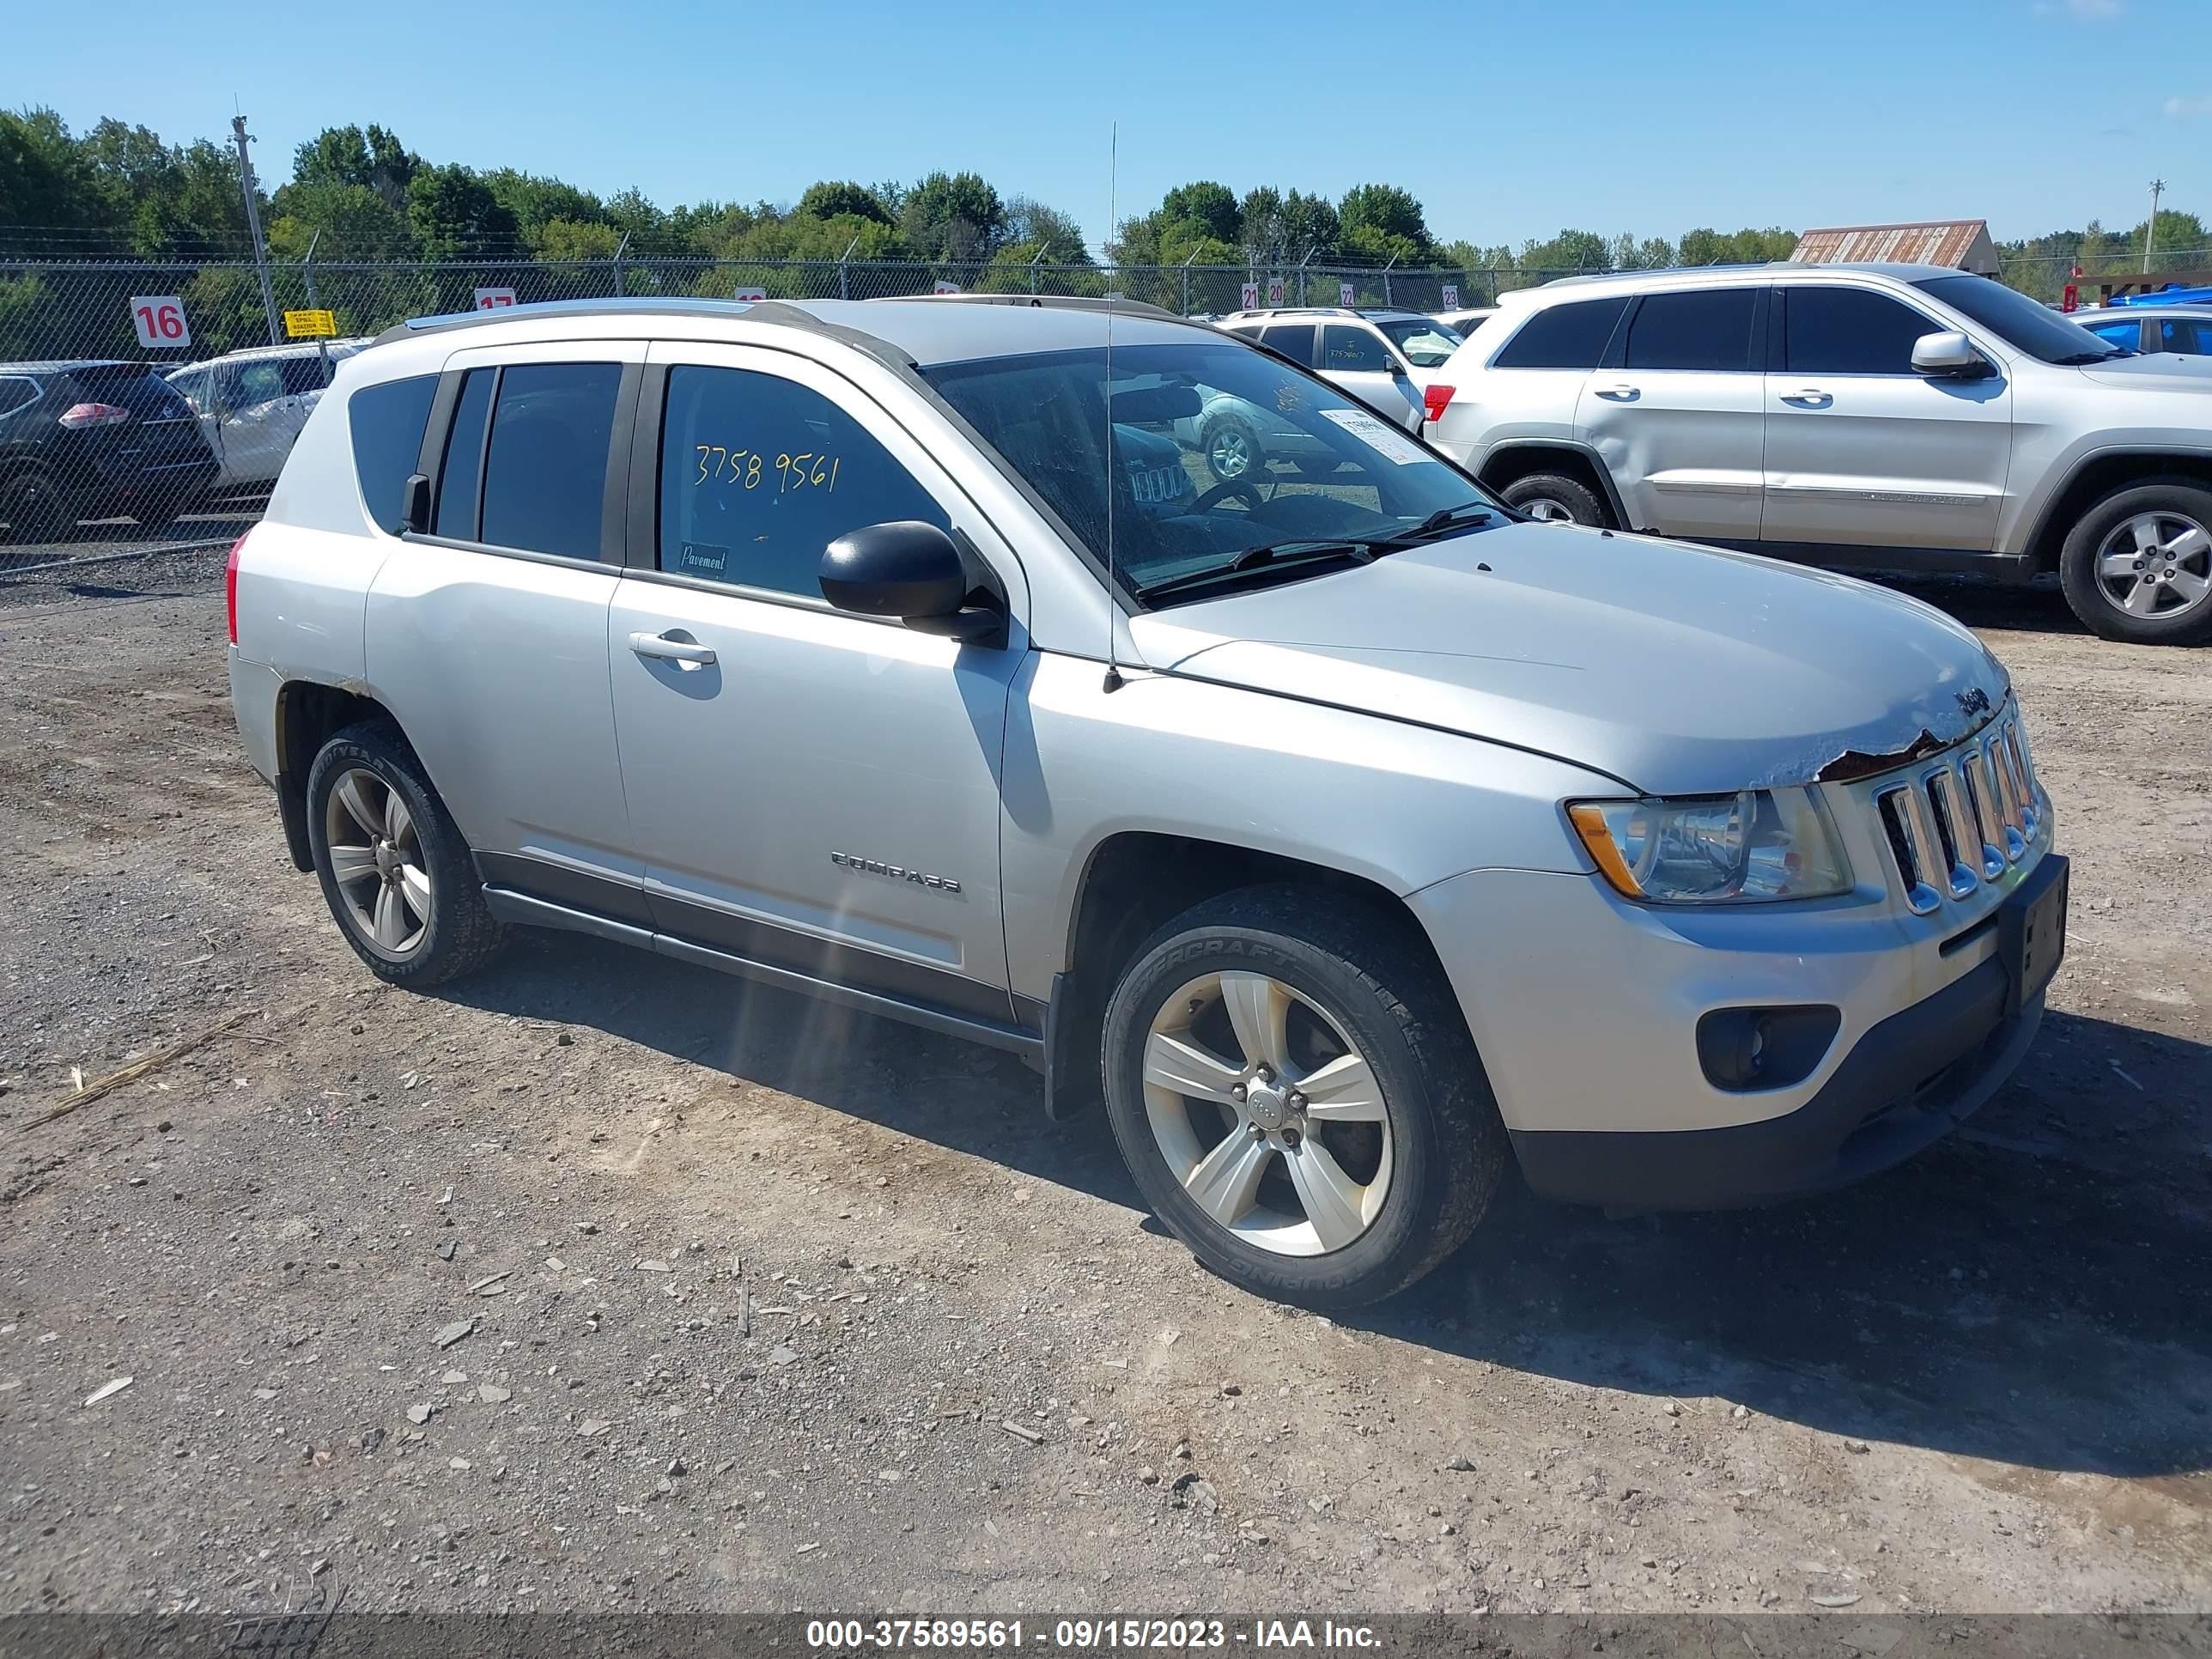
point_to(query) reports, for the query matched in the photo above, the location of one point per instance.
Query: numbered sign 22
(1346, 294)
(491, 299)
(160, 320)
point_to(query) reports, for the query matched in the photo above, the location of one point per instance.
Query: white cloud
(2188, 109)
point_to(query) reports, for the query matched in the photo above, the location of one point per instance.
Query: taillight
(1433, 399)
(83, 415)
(230, 584)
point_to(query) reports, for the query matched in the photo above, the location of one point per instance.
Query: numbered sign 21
(160, 320)
(1250, 298)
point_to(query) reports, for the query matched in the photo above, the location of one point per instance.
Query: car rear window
(1707, 329)
(132, 386)
(1564, 336)
(546, 468)
(388, 421)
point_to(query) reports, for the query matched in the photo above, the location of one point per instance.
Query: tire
(1354, 977)
(2160, 530)
(33, 509)
(1554, 495)
(439, 926)
(1233, 449)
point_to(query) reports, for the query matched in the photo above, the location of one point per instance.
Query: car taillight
(1433, 399)
(230, 584)
(84, 414)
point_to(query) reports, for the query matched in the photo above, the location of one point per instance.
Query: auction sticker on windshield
(1378, 434)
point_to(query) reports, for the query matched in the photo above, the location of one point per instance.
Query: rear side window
(546, 468)
(1352, 350)
(1851, 330)
(1564, 336)
(1294, 340)
(759, 475)
(16, 392)
(303, 375)
(386, 420)
(2174, 334)
(1707, 329)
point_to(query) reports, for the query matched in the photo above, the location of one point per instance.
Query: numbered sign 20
(1274, 290)
(491, 299)
(160, 320)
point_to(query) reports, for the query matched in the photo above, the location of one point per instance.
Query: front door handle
(672, 647)
(1620, 394)
(1809, 397)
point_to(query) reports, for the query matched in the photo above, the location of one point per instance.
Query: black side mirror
(912, 571)
(1398, 370)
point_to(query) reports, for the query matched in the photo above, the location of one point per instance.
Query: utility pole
(2150, 226)
(242, 138)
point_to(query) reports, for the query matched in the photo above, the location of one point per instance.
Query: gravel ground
(598, 1283)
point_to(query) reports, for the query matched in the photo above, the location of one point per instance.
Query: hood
(2161, 369)
(1677, 669)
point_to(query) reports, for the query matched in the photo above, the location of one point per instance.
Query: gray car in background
(1348, 838)
(1887, 417)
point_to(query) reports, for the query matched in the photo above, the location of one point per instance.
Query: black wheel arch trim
(1565, 446)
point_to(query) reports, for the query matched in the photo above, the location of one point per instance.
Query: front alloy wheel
(2156, 566)
(1267, 1114)
(1231, 450)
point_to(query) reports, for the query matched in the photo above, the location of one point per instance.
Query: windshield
(1427, 342)
(2020, 321)
(1218, 451)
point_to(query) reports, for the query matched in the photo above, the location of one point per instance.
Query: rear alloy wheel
(394, 869)
(2138, 566)
(1232, 449)
(1291, 1084)
(1554, 498)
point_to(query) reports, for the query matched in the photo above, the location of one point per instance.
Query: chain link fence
(148, 404)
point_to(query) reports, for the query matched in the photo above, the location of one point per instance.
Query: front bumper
(1904, 1083)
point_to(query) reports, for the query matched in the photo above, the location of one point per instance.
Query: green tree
(954, 216)
(834, 197)
(1212, 208)
(46, 178)
(1033, 225)
(1383, 218)
(454, 216)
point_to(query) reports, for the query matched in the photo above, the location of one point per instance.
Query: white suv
(1884, 417)
(1386, 359)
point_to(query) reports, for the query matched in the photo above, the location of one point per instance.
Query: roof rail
(1043, 302)
(670, 307)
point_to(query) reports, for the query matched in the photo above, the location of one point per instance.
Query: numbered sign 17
(491, 299)
(160, 320)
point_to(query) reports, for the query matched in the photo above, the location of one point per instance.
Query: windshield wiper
(2082, 359)
(1255, 558)
(1444, 518)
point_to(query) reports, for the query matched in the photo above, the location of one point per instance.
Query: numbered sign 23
(160, 320)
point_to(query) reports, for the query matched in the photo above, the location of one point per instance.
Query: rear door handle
(1809, 397)
(672, 647)
(1620, 394)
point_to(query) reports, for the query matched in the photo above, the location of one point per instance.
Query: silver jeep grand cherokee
(1348, 832)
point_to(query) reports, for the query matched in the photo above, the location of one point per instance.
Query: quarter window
(1703, 329)
(387, 421)
(1564, 336)
(1849, 331)
(1352, 351)
(545, 466)
(759, 474)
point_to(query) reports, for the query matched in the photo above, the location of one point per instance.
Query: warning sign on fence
(309, 325)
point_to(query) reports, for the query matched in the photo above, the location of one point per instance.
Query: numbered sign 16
(491, 299)
(160, 320)
(1250, 301)
(1451, 296)
(1346, 294)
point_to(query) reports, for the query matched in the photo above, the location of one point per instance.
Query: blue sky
(1508, 122)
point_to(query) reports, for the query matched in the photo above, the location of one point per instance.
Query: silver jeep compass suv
(1879, 416)
(1341, 833)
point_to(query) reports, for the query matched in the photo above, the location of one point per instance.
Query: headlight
(1759, 844)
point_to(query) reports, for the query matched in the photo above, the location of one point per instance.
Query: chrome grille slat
(1963, 821)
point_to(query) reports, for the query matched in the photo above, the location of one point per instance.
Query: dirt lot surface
(761, 1305)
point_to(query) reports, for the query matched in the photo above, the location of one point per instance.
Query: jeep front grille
(1963, 818)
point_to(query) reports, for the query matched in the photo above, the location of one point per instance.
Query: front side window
(545, 466)
(2019, 321)
(1427, 342)
(1201, 455)
(1564, 336)
(1703, 329)
(1849, 331)
(1294, 340)
(1348, 350)
(2122, 334)
(758, 474)
(387, 422)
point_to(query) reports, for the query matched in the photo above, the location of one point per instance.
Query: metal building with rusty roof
(1963, 244)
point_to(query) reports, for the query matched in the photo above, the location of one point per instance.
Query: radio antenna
(1113, 211)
